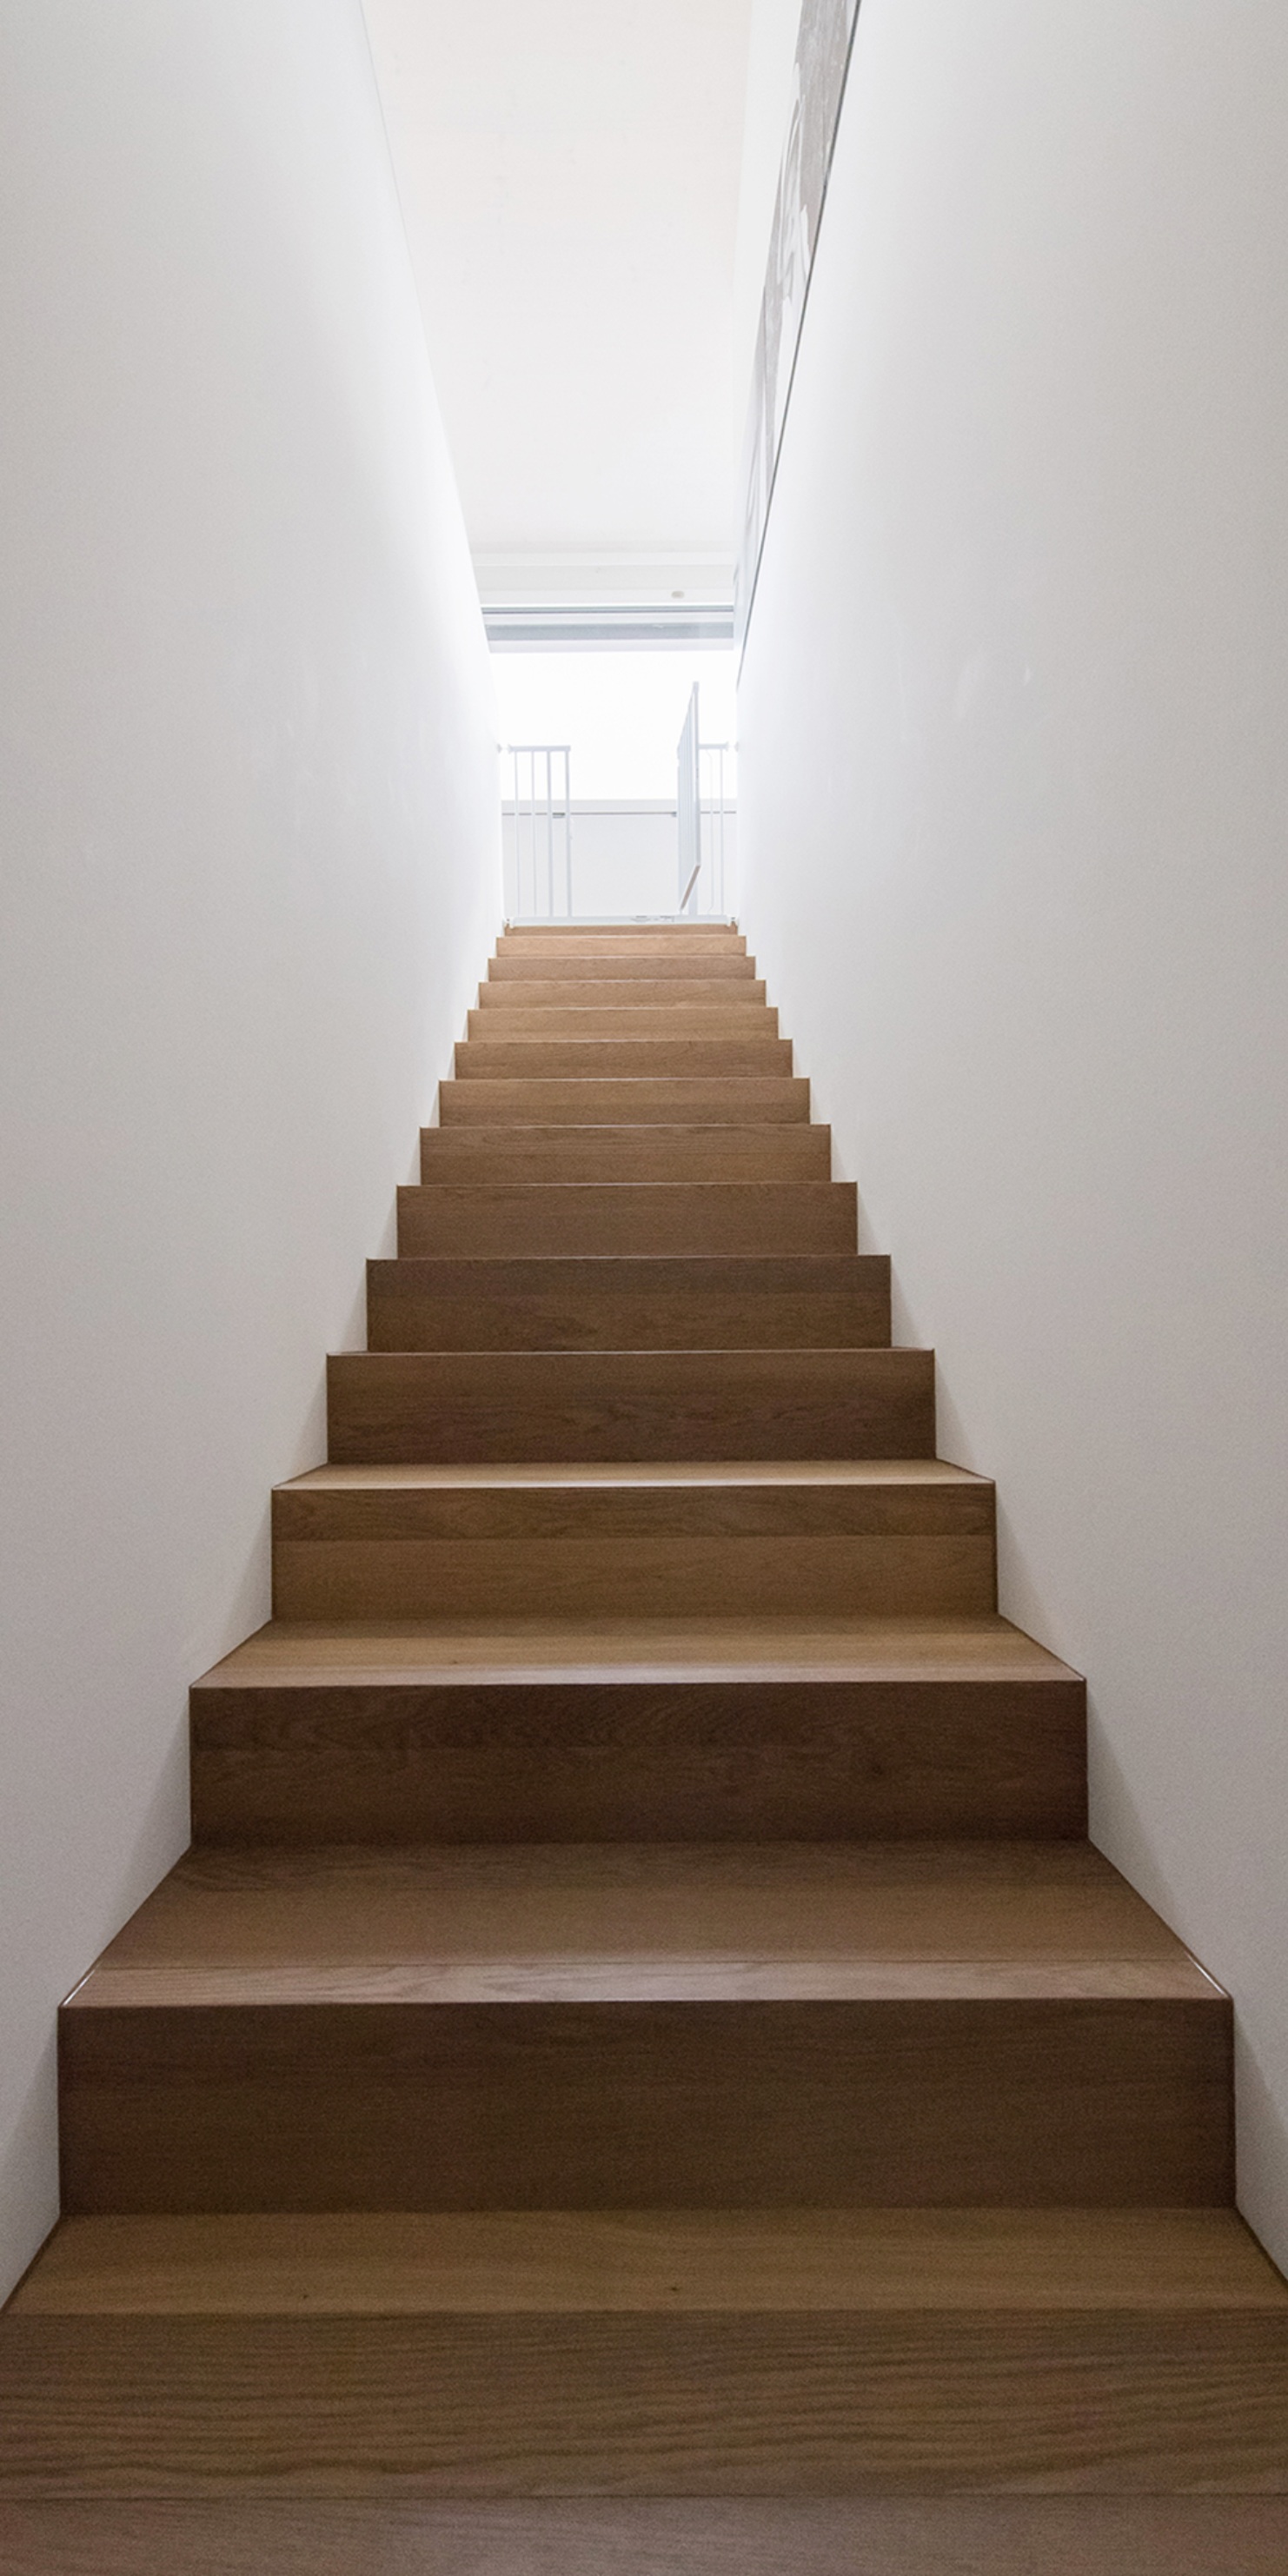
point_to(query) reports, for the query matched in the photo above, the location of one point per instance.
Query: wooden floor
(641, 2066)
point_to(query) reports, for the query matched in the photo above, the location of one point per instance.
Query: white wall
(1014, 802)
(251, 869)
(771, 65)
(570, 175)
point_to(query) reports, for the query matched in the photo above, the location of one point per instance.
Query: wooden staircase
(640, 2014)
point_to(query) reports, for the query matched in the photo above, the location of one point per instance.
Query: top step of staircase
(596, 939)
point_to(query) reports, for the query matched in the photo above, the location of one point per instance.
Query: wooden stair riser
(764, 1156)
(767, 2405)
(485, 1221)
(673, 1762)
(809, 1553)
(770, 1100)
(796, 1303)
(609, 991)
(621, 1058)
(637, 2104)
(622, 965)
(454, 1407)
(504, 1002)
(696, 939)
(751, 1022)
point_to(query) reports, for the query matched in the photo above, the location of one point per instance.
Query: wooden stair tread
(620, 1131)
(678, 1924)
(270, 2263)
(655, 1474)
(302, 1653)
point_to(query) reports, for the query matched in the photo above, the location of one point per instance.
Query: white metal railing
(541, 819)
(689, 808)
(704, 814)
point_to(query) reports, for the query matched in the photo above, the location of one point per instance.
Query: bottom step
(648, 2353)
(814, 2536)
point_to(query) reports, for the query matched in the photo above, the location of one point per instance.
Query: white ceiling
(570, 175)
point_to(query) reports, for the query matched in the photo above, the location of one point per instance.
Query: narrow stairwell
(640, 2014)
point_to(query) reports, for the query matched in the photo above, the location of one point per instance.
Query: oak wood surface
(750, 1100)
(621, 2026)
(398, 1542)
(646, 1153)
(509, 2262)
(445, 1406)
(939, 1652)
(620, 964)
(619, 1058)
(1113, 2099)
(650, 1759)
(685, 1022)
(606, 990)
(685, 1922)
(650, 2404)
(481, 1219)
(1083, 2535)
(552, 1731)
(815, 1301)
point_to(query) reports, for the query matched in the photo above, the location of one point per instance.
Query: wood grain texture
(621, 964)
(741, 1100)
(530, 2405)
(681, 2028)
(368, 1543)
(606, 990)
(810, 1301)
(483, 1220)
(685, 1022)
(688, 1923)
(742, 1652)
(536, 2104)
(447, 1406)
(646, 1153)
(619, 1058)
(671, 939)
(447, 1759)
(642, 2262)
(651, 1576)
(1082, 2535)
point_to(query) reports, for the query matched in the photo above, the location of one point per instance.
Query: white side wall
(771, 63)
(251, 868)
(1014, 802)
